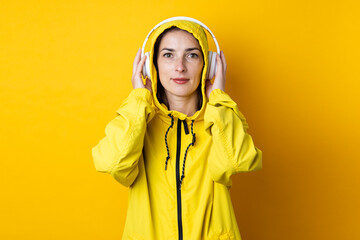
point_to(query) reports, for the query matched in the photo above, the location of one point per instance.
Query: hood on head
(198, 32)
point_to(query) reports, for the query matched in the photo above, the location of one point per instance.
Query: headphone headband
(180, 18)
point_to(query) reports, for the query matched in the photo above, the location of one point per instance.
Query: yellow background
(65, 67)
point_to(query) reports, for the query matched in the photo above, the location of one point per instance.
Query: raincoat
(178, 168)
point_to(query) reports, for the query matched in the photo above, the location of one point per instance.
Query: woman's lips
(180, 80)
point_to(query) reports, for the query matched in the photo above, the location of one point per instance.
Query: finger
(140, 66)
(208, 86)
(148, 84)
(207, 82)
(136, 60)
(219, 66)
(223, 60)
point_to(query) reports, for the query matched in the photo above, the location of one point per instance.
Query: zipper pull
(186, 128)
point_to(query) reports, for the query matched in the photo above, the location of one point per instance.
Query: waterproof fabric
(134, 152)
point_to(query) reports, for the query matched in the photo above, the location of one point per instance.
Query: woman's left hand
(220, 76)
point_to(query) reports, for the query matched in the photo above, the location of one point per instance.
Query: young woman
(176, 142)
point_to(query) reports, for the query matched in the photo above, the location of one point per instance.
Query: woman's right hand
(136, 79)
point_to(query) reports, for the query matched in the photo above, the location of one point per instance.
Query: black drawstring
(191, 144)
(186, 151)
(167, 147)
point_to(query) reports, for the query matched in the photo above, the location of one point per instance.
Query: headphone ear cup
(146, 67)
(211, 71)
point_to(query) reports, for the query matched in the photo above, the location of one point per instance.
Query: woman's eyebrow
(191, 49)
(167, 49)
(186, 50)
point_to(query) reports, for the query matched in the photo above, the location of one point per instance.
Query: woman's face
(180, 63)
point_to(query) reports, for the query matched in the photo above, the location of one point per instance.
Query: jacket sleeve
(233, 149)
(119, 151)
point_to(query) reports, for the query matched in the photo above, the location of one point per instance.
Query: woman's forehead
(179, 38)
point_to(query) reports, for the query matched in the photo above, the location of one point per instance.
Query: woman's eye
(167, 55)
(193, 55)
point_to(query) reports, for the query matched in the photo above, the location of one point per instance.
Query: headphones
(211, 69)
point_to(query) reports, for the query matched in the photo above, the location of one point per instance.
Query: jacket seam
(129, 137)
(226, 143)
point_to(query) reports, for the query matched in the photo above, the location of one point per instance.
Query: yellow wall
(65, 67)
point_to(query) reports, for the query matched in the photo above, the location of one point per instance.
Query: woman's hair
(161, 96)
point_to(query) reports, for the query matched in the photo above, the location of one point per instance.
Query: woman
(176, 142)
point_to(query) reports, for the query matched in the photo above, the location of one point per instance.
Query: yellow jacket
(178, 168)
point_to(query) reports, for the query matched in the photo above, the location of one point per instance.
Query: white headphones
(211, 69)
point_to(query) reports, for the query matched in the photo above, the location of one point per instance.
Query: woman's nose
(180, 65)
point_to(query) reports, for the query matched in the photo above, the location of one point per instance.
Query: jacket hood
(198, 32)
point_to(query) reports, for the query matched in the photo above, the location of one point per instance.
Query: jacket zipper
(178, 189)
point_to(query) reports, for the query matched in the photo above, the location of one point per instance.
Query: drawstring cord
(191, 144)
(187, 149)
(167, 147)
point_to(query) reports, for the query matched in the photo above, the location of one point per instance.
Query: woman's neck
(186, 105)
